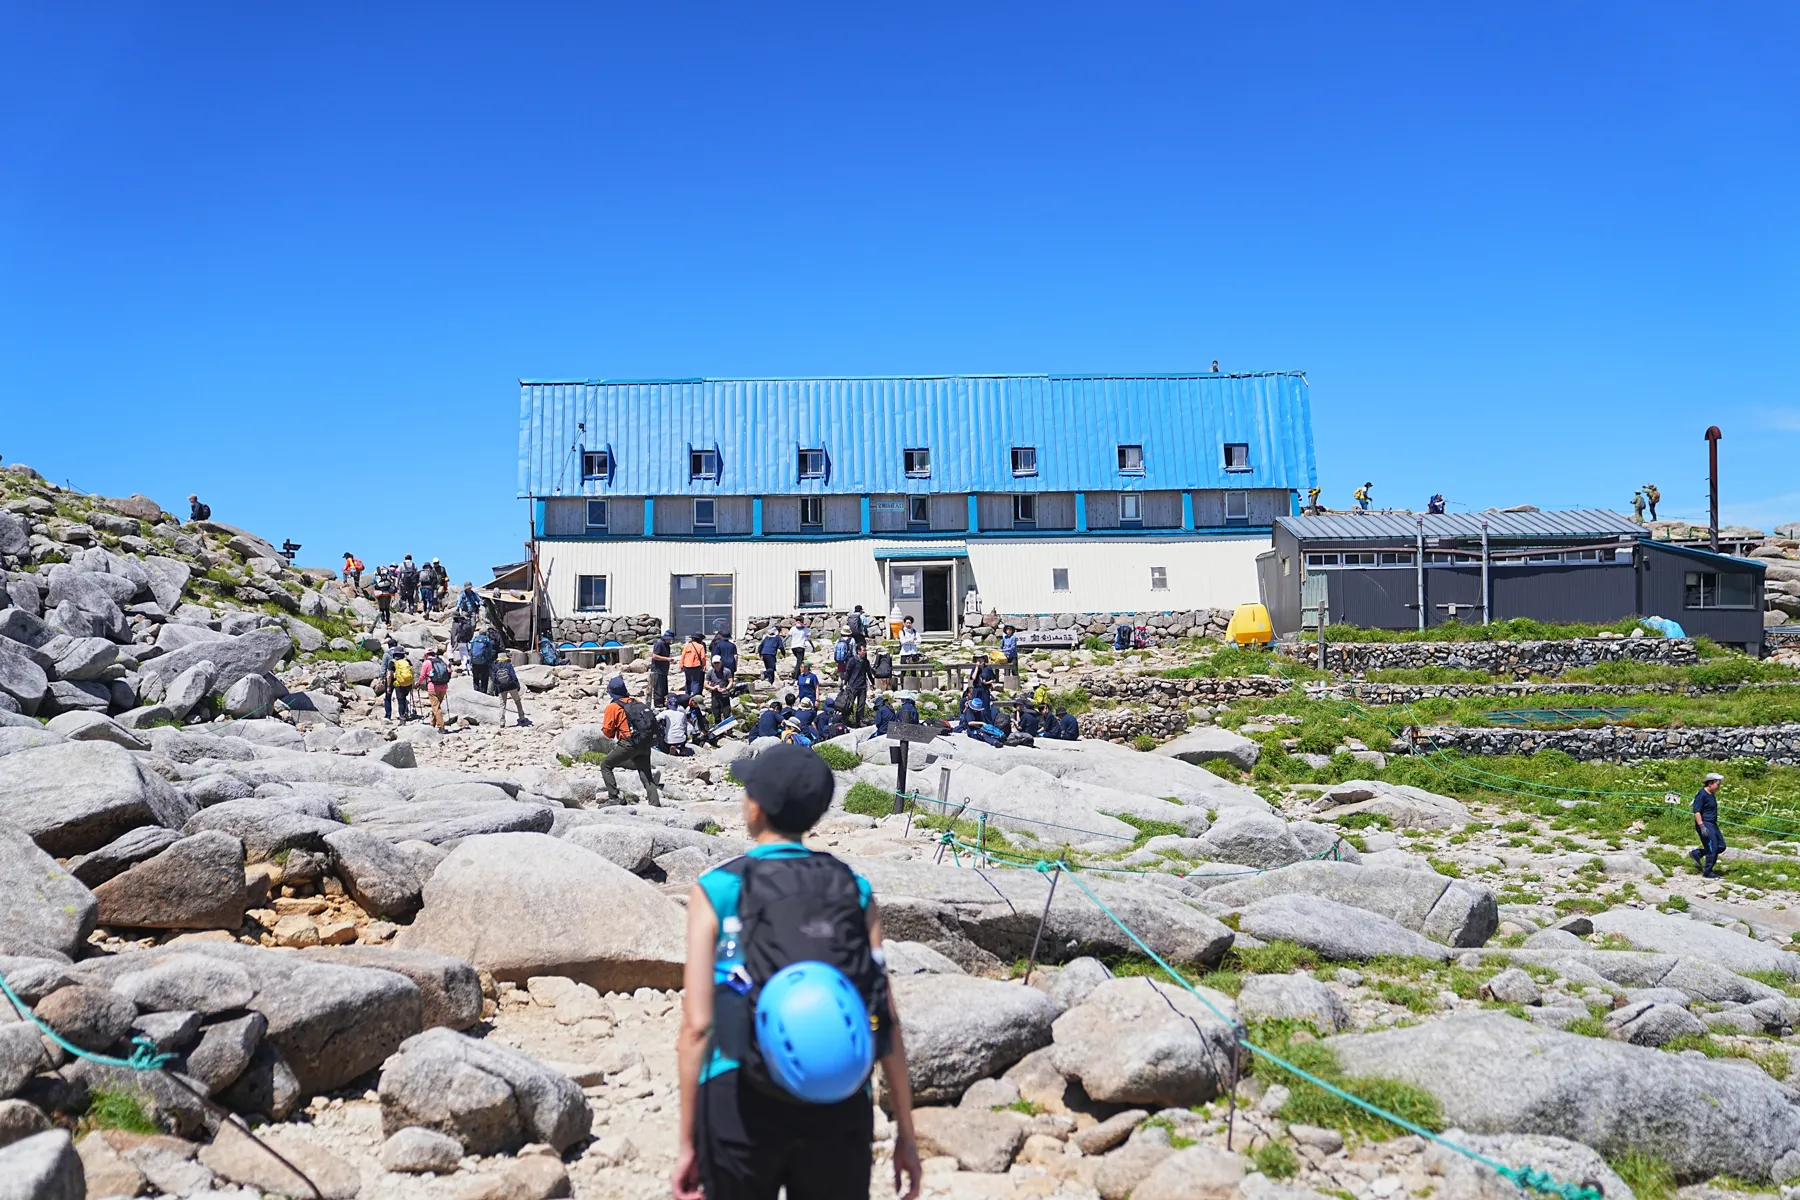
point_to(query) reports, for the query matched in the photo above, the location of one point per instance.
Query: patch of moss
(1276, 1160)
(868, 800)
(114, 1109)
(1310, 1104)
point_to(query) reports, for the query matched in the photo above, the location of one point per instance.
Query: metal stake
(1031, 963)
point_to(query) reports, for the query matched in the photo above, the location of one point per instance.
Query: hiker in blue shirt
(768, 722)
(974, 713)
(884, 714)
(806, 684)
(908, 713)
(1706, 824)
(1068, 729)
(1009, 648)
(769, 650)
(806, 714)
(1028, 717)
(725, 650)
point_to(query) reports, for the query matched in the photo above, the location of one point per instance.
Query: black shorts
(752, 1145)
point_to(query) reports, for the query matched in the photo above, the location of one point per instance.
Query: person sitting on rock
(1029, 722)
(884, 713)
(908, 712)
(806, 714)
(1068, 729)
(975, 712)
(674, 718)
(768, 722)
(829, 723)
(198, 511)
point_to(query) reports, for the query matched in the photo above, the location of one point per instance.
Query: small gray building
(1383, 570)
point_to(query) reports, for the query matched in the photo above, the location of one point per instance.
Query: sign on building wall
(887, 506)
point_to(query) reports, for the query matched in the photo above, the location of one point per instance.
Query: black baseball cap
(790, 783)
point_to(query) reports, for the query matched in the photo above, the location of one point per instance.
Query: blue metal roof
(970, 423)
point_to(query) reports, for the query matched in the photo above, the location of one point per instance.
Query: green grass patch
(1029, 1107)
(355, 655)
(1147, 829)
(1276, 1160)
(1648, 1177)
(1444, 866)
(1143, 743)
(868, 800)
(1518, 629)
(1310, 1104)
(1773, 1059)
(114, 1109)
(838, 758)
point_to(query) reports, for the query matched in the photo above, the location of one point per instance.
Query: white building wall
(1014, 575)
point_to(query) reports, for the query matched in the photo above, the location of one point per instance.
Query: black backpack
(794, 910)
(203, 512)
(503, 678)
(642, 725)
(409, 576)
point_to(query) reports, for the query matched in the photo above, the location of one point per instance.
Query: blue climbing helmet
(812, 1027)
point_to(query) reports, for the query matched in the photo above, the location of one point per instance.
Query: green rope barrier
(144, 1054)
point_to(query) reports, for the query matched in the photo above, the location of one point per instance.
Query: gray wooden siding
(735, 515)
(674, 516)
(949, 514)
(887, 522)
(1162, 510)
(781, 514)
(843, 514)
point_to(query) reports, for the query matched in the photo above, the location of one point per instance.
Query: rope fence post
(1043, 917)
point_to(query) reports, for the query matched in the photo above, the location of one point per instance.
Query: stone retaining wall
(1185, 692)
(1411, 693)
(1123, 724)
(1497, 658)
(1198, 623)
(1778, 744)
(599, 627)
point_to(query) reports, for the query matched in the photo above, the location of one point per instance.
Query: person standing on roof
(634, 730)
(1362, 497)
(1653, 494)
(1706, 824)
(1435, 505)
(1312, 501)
(1637, 506)
(693, 664)
(353, 569)
(662, 655)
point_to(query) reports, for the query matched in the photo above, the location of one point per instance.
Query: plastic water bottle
(737, 978)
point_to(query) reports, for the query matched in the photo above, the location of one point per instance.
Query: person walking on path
(806, 684)
(854, 694)
(397, 671)
(504, 680)
(468, 601)
(385, 588)
(353, 569)
(434, 671)
(428, 588)
(741, 1140)
(408, 579)
(662, 656)
(693, 664)
(726, 651)
(769, 650)
(800, 642)
(633, 730)
(1706, 824)
(859, 627)
(484, 649)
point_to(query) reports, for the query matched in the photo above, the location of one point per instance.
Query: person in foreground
(786, 1011)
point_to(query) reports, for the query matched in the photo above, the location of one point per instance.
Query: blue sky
(296, 258)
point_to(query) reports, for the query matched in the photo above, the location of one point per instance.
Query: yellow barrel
(1250, 626)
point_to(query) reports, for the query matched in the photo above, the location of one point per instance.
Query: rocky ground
(437, 965)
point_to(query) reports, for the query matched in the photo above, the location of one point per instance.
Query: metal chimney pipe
(1487, 603)
(1419, 566)
(1712, 455)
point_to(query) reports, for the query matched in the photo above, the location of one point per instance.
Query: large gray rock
(188, 690)
(15, 534)
(197, 883)
(490, 1098)
(187, 983)
(1451, 911)
(62, 696)
(1697, 978)
(225, 1051)
(449, 988)
(1404, 806)
(1292, 998)
(42, 1167)
(81, 658)
(1466, 1179)
(253, 653)
(250, 696)
(1336, 931)
(1141, 1041)
(1696, 939)
(46, 908)
(416, 1151)
(1198, 1172)
(94, 595)
(123, 852)
(524, 904)
(1496, 1074)
(960, 1029)
(92, 1018)
(78, 796)
(265, 825)
(995, 914)
(21, 677)
(168, 576)
(1211, 742)
(979, 1141)
(380, 878)
(437, 821)
(22, 1055)
(1252, 839)
(329, 1023)
(1652, 1024)
(93, 727)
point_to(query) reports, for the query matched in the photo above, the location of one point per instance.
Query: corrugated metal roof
(1571, 523)
(970, 423)
(1726, 561)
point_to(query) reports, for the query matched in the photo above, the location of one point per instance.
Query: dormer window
(596, 464)
(1237, 456)
(812, 464)
(1131, 460)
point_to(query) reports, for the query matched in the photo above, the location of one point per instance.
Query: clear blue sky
(295, 258)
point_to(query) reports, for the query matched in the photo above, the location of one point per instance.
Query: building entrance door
(699, 604)
(906, 592)
(937, 601)
(923, 592)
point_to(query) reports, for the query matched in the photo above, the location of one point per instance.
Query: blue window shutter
(718, 464)
(612, 464)
(826, 451)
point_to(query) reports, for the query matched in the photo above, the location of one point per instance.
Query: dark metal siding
(1663, 596)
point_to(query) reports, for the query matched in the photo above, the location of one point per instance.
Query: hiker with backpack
(385, 587)
(353, 569)
(662, 654)
(842, 651)
(881, 668)
(408, 579)
(859, 627)
(503, 679)
(435, 672)
(198, 511)
(725, 651)
(428, 587)
(782, 943)
(462, 628)
(806, 713)
(827, 724)
(769, 650)
(693, 664)
(397, 674)
(633, 729)
(468, 601)
(484, 649)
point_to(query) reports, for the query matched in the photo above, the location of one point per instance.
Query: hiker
(674, 718)
(754, 1121)
(793, 733)
(859, 627)
(1653, 495)
(547, 652)
(718, 688)
(408, 579)
(633, 729)
(434, 673)
(1362, 496)
(693, 664)
(799, 641)
(829, 723)
(468, 601)
(726, 651)
(908, 712)
(982, 677)
(462, 628)
(909, 641)
(806, 713)
(1312, 501)
(397, 670)
(769, 650)
(768, 722)
(384, 593)
(198, 511)
(842, 651)
(699, 729)
(1068, 729)
(1637, 506)
(353, 569)
(975, 712)
(1706, 824)
(484, 648)
(428, 587)
(806, 684)
(662, 653)
(853, 695)
(881, 668)
(884, 713)
(503, 680)
(1009, 648)
(1435, 505)
(440, 583)
(1028, 717)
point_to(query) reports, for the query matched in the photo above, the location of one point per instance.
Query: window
(1131, 460)
(813, 590)
(1131, 508)
(1607, 555)
(1544, 556)
(706, 515)
(1059, 579)
(1159, 578)
(590, 593)
(1024, 460)
(812, 512)
(1396, 558)
(1237, 456)
(1359, 558)
(918, 510)
(596, 464)
(1287, 566)
(1434, 556)
(1237, 506)
(596, 517)
(1024, 512)
(918, 464)
(1718, 589)
(703, 464)
(812, 464)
